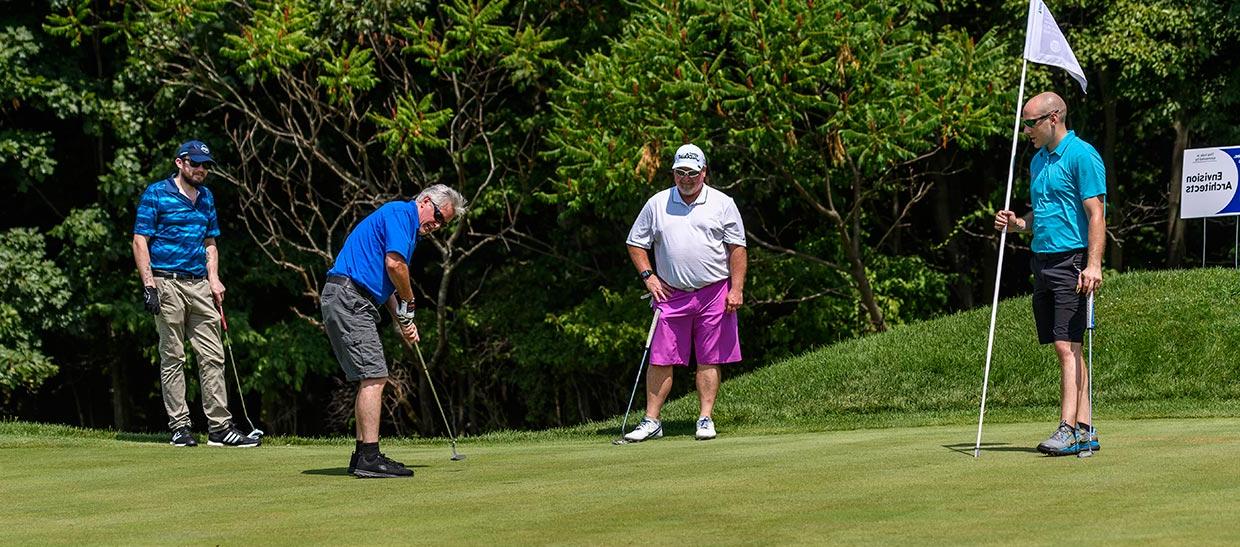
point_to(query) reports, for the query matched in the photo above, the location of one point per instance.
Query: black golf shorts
(1058, 310)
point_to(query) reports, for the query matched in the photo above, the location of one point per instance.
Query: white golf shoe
(705, 429)
(648, 428)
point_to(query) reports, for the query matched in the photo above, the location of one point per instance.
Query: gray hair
(442, 194)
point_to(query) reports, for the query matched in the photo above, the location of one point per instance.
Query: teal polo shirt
(1060, 180)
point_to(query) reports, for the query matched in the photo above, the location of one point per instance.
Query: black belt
(345, 281)
(175, 275)
(1051, 257)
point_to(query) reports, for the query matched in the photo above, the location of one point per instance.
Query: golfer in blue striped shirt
(178, 262)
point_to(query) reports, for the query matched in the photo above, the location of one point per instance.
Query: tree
(840, 102)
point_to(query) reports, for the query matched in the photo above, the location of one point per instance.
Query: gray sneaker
(1061, 443)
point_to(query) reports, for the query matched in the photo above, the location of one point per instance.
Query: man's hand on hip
(660, 290)
(150, 300)
(1089, 280)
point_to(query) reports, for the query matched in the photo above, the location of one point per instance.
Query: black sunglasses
(197, 164)
(1034, 122)
(438, 213)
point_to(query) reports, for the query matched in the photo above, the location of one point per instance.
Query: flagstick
(994, 306)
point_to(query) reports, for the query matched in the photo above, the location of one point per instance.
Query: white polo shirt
(689, 239)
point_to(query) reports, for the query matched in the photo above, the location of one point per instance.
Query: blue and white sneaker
(705, 429)
(648, 428)
(1061, 443)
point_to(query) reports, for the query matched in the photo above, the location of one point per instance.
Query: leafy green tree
(34, 297)
(816, 113)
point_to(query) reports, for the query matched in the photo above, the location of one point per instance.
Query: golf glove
(404, 312)
(150, 300)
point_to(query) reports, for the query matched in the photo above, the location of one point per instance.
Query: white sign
(1208, 187)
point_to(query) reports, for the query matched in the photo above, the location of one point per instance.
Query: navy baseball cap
(196, 151)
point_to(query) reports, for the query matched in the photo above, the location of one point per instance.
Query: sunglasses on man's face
(1031, 123)
(197, 164)
(685, 173)
(438, 214)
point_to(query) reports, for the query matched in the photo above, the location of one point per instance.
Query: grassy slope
(1154, 481)
(1165, 345)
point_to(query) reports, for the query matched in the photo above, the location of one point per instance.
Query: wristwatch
(646, 274)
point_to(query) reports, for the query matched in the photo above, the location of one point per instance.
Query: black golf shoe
(183, 437)
(232, 437)
(378, 466)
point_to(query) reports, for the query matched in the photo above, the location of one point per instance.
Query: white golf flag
(1045, 44)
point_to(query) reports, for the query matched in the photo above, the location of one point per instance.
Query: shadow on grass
(141, 437)
(344, 471)
(967, 448)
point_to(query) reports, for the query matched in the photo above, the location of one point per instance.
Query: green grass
(1157, 481)
(1165, 346)
(865, 441)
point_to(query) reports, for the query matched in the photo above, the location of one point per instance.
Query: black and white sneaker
(183, 437)
(231, 437)
(378, 466)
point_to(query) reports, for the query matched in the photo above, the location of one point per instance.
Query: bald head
(1045, 103)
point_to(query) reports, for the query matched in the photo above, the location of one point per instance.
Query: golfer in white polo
(698, 283)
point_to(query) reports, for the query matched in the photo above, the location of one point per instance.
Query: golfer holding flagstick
(1068, 191)
(698, 241)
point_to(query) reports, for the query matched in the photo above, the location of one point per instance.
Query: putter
(255, 433)
(451, 436)
(640, 367)
(1089, 325)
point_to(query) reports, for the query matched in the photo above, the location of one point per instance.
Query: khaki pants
(187, 305)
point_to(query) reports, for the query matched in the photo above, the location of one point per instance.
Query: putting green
(1154, 480)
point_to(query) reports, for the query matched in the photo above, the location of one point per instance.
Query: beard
(193, 178)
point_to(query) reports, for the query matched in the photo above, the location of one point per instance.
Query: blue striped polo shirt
(1061, 179)
(177, 227)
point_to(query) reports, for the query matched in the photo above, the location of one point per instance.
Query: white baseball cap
(690, 156)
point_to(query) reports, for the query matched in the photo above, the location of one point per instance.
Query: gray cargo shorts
(352, 324)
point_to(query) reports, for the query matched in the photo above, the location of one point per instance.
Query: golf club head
(457, 457)
(256, 434)
(620, 441)
(1086, 454)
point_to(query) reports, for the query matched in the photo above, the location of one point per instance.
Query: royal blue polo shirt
(1061, 179)
(393, 228)
(177, 227)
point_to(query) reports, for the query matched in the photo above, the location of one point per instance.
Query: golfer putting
(372, 270)
(1068, 192)
(698, 280)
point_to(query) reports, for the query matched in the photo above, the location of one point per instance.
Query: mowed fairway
(1165, 481)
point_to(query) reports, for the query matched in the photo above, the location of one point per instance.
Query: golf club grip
(650, 335)
(223, 320)
(1089, 311)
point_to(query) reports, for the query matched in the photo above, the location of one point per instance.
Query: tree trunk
(1175, 225)
(944, 221)
(120, 396)
(852, 242)
(1110, 140)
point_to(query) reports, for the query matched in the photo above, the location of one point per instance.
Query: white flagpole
(994, 305)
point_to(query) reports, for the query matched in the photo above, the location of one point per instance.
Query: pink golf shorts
(695, 323)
